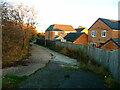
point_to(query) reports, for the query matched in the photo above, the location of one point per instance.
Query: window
(104, 33)
(93, 44)
(93, 33)
(56, 33)
(62, 33)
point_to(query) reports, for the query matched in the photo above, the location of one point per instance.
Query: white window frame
(92, 34)
(56, 32)
(62, 32)
(104, 31)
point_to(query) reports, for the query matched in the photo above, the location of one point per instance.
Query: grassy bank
(88, 64)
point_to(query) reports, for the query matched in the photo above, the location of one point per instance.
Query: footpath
(38, 59)
(61, 73)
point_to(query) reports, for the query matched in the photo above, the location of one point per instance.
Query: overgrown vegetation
(87, 64)
(17, 30)
(12, 81)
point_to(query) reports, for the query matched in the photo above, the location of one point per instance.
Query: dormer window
(93, 33)
(104, 33)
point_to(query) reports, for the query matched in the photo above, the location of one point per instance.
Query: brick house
(58, 38)
(111, 42)
(102, 30)
(77, 38)
(58, 30)
(82, 30)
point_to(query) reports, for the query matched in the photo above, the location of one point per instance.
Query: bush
(13, 46)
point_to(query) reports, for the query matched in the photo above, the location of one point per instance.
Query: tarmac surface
(58, 74)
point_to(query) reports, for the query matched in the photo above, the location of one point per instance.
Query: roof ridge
(109, 19)
(108, 41)
(110, 23)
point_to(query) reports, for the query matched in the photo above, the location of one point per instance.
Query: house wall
(116, 34)
(111, 60)
(110, 46)
(98, 27)
(82, 40)
(51, 34)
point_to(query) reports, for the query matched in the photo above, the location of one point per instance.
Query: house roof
(111, 39)
(58, 27)
(79, 29)
(117, 40)
(73, 36)
(113, 24)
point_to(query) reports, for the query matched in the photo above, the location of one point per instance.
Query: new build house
(77, 38)
(82, 29)
(102, 30)
(58, 30)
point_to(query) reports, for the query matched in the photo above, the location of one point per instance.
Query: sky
(72, 12)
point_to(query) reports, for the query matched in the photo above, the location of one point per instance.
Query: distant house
(58, 30)
(59, 38)
(110, 45)
(77, 38)
(102, 30)
(82, 29)
(79, 29)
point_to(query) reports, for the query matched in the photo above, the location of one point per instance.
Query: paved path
(58, 75)
(38, 59)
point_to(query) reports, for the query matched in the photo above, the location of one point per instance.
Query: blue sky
(72, 12)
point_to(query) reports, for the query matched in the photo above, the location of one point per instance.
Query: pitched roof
(58, 27)
(79, 29)
(113, 24)
(72, 36)
(111, 39)
(117, 40)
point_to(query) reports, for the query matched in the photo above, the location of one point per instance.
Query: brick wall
(51, 34)
(115, 34)
(82, 40)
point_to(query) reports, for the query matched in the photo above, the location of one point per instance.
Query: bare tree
(19, 14)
